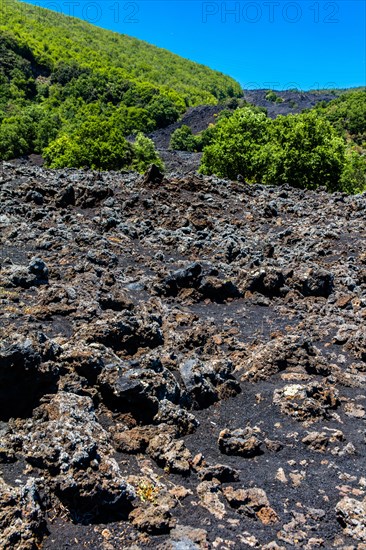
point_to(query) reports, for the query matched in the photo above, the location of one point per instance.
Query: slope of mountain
(339, 105)
(54, 38)
(284, 102)
(60, 76)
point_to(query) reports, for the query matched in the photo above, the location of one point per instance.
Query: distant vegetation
(61, 79)
(347, 114)
(322, 147)
(272, 96)
(182, 139)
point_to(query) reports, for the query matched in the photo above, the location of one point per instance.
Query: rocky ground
(293, 101)
(182, 363)
(197, 118)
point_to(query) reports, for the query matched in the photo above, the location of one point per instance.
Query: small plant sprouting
(147, 491)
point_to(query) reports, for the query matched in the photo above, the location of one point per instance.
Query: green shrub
(237, 146)
(272, 96)
(95, 144)
(163, 111)
(305, 152)
(66, 72)
(145, 154)
(182, 139)
(302, 150)
(16, 136)
(353, 177)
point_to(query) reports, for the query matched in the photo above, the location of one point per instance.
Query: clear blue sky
(263, 44)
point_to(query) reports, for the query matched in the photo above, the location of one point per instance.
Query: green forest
(84, 96)
(66, 84)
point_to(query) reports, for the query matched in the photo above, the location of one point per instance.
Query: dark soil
(143, 324)
(293, 101)
(197, 118)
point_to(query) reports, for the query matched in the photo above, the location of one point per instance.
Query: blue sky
(308, 44)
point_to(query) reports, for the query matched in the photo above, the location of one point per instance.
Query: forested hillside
(347, 114)
(63, 81)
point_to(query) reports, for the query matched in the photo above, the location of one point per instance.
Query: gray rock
(24, 377)
(351, 514)
(183, 421)
(138, 387)
(22, 522)
(313, 282)
(240, 442)
(222, 472)
(189, 277)
(73, 451)
(170, 454)
(208, 381)
(35, 274)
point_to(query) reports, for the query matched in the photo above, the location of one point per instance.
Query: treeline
(325, 146)
(61, 78)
